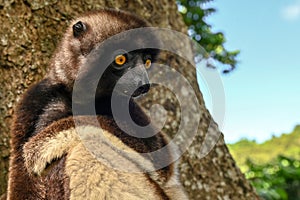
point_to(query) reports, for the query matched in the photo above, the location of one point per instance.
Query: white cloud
(291, 12)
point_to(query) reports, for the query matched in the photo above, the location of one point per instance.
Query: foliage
(272, 167)
(279, 180)
(286, 145)
(194, 14)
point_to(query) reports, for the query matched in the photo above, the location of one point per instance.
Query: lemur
(48, 159)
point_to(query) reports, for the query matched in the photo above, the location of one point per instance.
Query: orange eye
(148, 64)
(120, 59)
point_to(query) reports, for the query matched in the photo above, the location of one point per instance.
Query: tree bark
(30, 31)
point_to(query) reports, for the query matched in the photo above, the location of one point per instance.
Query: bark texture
(30, 30)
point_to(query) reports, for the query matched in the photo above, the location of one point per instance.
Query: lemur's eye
(78, 29)
(120, 59)
(148, 64)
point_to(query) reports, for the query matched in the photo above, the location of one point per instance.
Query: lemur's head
(87, 35)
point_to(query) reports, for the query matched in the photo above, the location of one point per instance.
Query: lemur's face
(90, 38)
(128, 73)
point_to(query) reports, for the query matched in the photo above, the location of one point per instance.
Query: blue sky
(263, 93)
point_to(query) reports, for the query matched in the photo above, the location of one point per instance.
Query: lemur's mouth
(141, 90)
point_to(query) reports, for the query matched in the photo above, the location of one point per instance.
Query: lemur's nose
(145, 88)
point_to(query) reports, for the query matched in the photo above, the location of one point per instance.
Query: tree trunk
(30, 30)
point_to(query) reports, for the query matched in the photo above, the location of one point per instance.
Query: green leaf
(194, 16)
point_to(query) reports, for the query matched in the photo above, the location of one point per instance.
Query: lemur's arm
(48, 145)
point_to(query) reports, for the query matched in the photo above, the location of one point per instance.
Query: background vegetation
(273, 167)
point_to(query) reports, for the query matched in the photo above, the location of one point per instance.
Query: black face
(127, 74)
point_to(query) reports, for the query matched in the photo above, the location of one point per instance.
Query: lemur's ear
(78, 29)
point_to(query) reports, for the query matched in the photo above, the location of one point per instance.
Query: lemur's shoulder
(43, 103)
